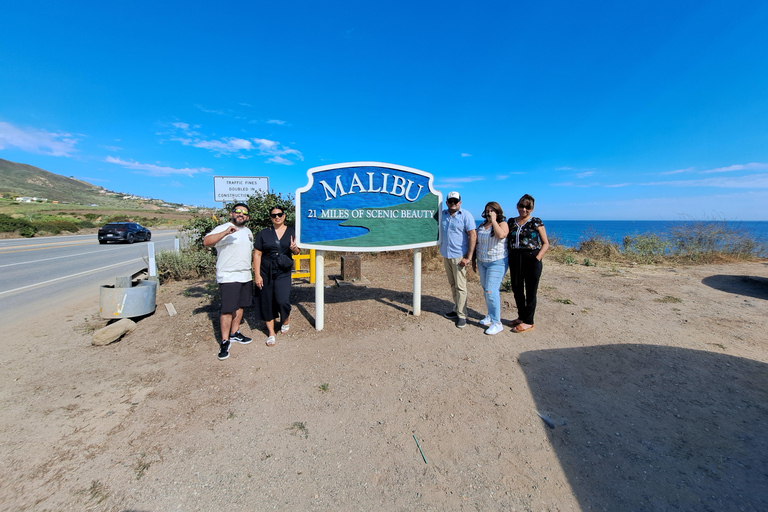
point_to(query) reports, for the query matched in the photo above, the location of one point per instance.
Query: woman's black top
(271, 248)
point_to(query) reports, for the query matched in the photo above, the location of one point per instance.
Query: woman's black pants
(525, 272)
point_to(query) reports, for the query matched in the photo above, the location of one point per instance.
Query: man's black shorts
(235, 296)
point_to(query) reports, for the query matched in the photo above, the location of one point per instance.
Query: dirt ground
(640, 388)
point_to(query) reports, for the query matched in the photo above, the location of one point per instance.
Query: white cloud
(563, 168)
(155, 170)
(277, 152)
(575, 185)
(277, 121)
(209, 111)
(36, 141)
(228, 145)
(749, 181)
(754, 166)
(464, 155)
(465, 179)
(678, 171)
(585, 174)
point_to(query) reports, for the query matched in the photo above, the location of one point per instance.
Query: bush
(259, 205)
(186, 264)
(27, 231)
(647, 248)
(710, 241)
(55, 227)
(598, 247)
(9, 224)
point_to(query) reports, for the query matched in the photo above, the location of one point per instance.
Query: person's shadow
(748, 286)
(640, 427)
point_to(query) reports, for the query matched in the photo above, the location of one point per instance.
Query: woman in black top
(272, 265)
(527, 243)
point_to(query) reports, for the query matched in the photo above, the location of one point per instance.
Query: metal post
(416, 282)
(176, 244)
(319, 290)
(152, 262)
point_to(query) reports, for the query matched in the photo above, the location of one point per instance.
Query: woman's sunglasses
(276, 215)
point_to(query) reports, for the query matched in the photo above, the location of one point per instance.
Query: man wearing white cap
(457, 231)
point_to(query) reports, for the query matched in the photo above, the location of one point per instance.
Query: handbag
(284, 262)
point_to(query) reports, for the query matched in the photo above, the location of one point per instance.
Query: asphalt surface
(37, 274)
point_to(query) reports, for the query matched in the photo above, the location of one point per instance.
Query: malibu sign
(367, 206)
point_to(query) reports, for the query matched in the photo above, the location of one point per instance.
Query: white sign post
(228, 189)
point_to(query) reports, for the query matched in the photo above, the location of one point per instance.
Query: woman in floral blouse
(527, 243)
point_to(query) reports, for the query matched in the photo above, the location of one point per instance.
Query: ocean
(570, 232)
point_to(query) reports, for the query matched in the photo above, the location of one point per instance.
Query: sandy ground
(652, 384)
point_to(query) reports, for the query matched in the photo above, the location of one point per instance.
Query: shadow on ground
(749, 286)
(347, 295)
(640, 427)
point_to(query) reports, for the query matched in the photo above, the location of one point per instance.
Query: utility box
(351, 267)
(124, 300)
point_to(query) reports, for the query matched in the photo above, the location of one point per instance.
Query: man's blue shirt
(454, 231)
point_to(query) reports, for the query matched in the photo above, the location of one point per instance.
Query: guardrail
(297, 270)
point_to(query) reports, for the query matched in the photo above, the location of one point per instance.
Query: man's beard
(236, 223)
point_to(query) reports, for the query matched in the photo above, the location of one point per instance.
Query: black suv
(123, 232)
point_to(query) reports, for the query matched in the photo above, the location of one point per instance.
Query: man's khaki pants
(457, 278)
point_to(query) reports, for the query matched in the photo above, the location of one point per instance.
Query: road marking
(40, 247)
(49, 245)
(49, 259)
(72, 275)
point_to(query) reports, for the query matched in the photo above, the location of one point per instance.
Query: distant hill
(28, 180)
(22, 180)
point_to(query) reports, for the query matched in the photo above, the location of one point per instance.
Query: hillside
(27, 180)
(18, 179)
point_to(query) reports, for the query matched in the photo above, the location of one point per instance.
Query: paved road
(37, 274)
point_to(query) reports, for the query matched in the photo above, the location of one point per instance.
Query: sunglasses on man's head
(276, 215)
(452, 201)
(240, 210)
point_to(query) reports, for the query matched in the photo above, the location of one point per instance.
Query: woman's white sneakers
(486, 321)
(494, 328)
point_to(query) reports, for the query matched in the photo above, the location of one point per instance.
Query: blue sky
(600, 110)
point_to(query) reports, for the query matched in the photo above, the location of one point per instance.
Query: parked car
(123, 232)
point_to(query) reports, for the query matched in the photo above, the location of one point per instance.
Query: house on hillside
(32, 199)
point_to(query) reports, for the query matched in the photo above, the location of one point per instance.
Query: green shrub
(186, 264)
(91, 216)
(85, 224)
(10, 224)
(598, 247)
(55, 227)
(27, 231)
(259, 205)
(709, 241)
(646, 248)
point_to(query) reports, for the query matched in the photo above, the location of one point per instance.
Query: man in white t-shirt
(234, 245)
